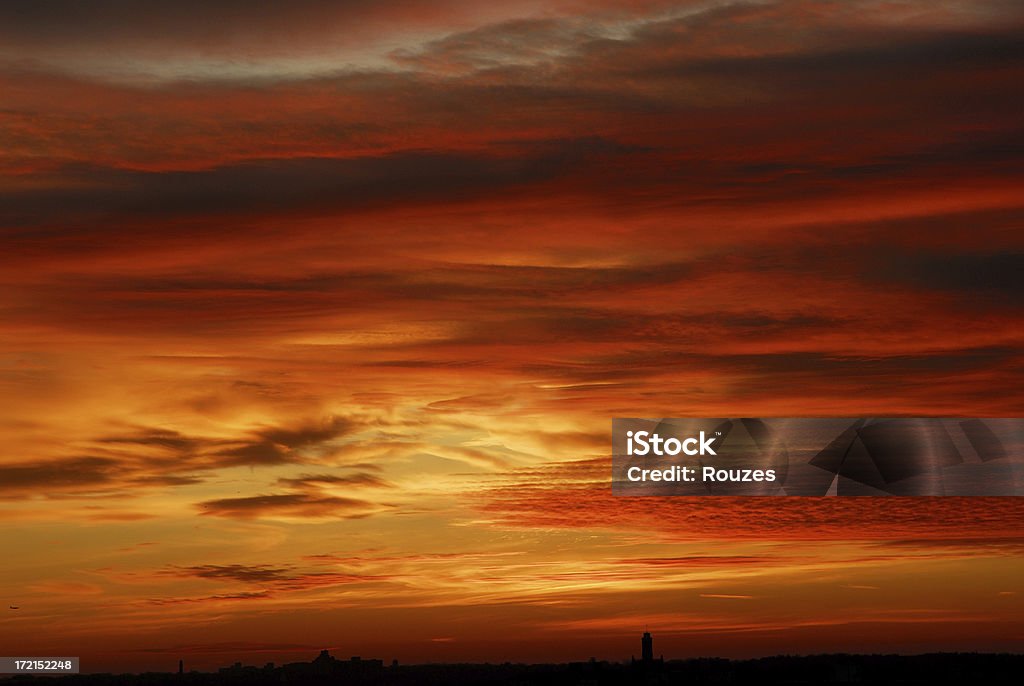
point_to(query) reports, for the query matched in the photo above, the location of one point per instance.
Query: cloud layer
(314, 316)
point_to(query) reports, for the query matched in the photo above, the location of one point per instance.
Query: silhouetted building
(181, 666)
(647, 661)
(326, 665)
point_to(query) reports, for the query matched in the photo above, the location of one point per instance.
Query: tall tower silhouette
(647, 646)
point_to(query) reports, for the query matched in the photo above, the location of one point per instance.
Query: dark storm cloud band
(818, 457)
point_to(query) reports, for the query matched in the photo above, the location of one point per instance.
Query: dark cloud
(256, 595)
(225, 27)
(240, 299)
(266, 446)
(276, 579)
(973, 276)
(248, 574)
(308, 435)
(278, 185)
(77, 474)
(160, 439)
(278, 445)
(854, 55)
(262, 453)
(903, 128)
(153, 458)
(356, 480)
(289, 505)
(697, 153)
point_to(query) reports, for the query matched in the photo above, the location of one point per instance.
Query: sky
(314, 317)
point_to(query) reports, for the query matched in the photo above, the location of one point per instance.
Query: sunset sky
(314, 317)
